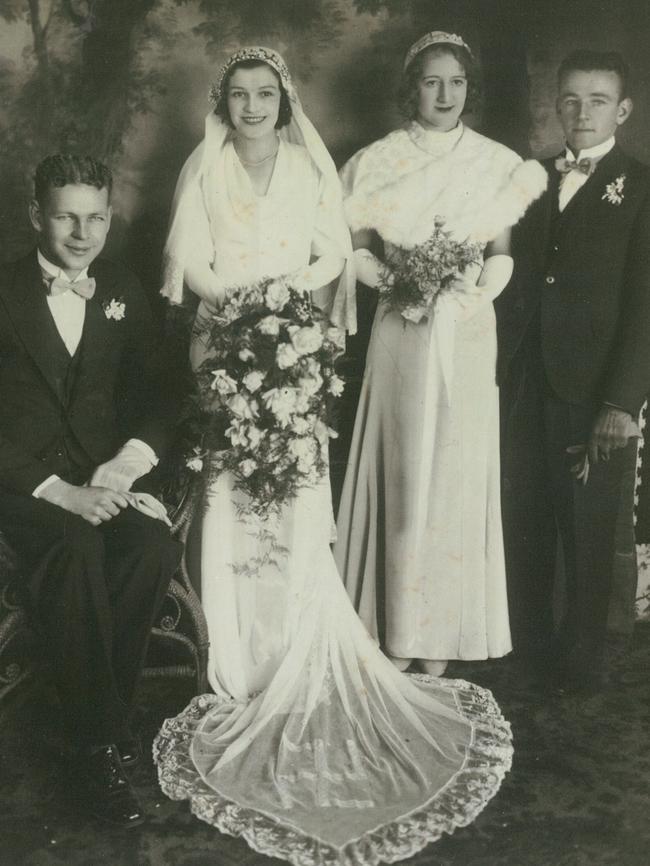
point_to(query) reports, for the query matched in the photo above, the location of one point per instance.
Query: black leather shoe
(107, 793)
(130, 751)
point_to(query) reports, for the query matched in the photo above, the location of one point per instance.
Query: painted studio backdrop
(127, 80)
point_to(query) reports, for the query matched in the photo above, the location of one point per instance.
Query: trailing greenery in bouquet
(416, 276)
(264, 393)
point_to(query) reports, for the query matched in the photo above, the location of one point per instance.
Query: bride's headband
(261, 54)
(435, 37)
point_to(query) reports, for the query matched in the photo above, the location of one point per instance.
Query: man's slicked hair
(585, 60)
(60, 169)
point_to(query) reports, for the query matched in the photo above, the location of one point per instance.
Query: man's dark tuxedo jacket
(583, 278)
(65, 416)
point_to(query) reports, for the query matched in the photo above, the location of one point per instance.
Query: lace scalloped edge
(488, 759)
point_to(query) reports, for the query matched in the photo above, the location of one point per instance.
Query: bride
(313, 747)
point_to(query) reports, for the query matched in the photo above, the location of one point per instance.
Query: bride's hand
(206, 284)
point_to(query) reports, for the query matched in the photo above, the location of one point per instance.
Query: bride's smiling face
(254, 101)
(442, 91)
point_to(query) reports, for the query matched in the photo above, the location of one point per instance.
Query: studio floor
(578, 793)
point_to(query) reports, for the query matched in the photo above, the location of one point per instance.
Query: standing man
(574, 365)
(82, 420)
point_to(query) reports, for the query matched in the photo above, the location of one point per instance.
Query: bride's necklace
(259, 161)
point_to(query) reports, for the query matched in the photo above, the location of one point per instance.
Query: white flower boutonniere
(114, 309)
(614, 191)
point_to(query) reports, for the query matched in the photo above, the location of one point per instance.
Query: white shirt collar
(55, 271)
(596, 152)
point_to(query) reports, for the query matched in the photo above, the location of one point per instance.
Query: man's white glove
(131, 462)
(149, 505)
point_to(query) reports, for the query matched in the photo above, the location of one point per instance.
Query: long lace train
(357, 828)
(339, 759)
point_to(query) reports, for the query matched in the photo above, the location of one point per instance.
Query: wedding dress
(313, 748)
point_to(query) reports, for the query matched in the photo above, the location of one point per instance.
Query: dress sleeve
(331, 271)
(327, 257)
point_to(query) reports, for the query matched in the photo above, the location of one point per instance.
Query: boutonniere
(614, 191)
(114, 309)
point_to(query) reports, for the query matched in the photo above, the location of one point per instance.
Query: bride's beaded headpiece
(261, 54)
(435, 37)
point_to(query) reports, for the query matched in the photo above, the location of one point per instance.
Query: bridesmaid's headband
(435, 37)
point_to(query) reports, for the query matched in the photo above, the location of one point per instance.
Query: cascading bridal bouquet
(416, 276)
(264, 393)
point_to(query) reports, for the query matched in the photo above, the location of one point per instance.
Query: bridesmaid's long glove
(370, 270)
(469, 296)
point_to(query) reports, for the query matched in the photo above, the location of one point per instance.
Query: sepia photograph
(324, 380)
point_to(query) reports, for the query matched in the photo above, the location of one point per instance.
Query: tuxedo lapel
(27, 306)
(545, 211)
(100, 340)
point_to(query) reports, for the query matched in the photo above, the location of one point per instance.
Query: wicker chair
(179, 645)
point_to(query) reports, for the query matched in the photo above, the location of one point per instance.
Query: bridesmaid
(419, 531)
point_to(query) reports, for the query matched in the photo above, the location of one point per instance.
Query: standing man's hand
(612, 429)
(94, 504)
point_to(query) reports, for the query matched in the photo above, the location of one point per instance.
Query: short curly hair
(60, 169)
(221, 108)
(407, 95)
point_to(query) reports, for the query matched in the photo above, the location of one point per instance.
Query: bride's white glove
(318, 274)
(370, 270)
(469, 296)
(206, 284)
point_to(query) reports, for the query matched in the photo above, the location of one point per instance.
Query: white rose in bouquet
(322, 432)
(269, 325)
(310, 366)
(311, 384)
(302, 402)
(253, 380)
(305, 451)
(336, 335)
(286, 356)
(223, 383)
(237, 434)
(195, 462)
(246, 355)
(255, 435)
(306, 341)
(300, 426)
(277, 296)
(240, 407)
(247, 467)
(282, 402)
(335, 385)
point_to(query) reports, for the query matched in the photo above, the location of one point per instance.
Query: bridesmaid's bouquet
(264, 393)
(415, 277)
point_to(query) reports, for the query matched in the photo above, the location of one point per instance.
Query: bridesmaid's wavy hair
(407, 95)
(221, 108)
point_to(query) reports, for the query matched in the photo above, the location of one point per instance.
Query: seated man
(82, 419)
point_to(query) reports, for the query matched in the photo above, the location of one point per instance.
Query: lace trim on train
(488, 760)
